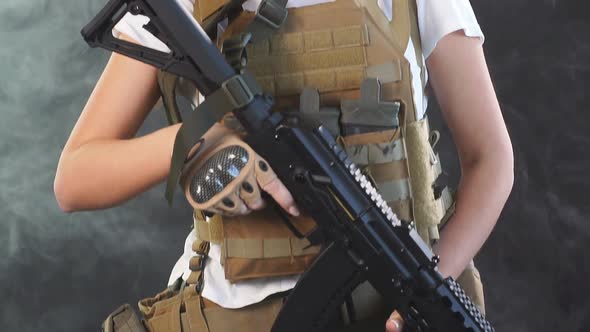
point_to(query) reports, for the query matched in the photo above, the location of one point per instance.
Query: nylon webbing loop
(235, 93)
(270, 15)
(209, 230)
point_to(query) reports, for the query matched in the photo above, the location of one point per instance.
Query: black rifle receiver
(363, 238)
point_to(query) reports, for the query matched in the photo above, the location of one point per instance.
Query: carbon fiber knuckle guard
(223, 179)
(217, 173)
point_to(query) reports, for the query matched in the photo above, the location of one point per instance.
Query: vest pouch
(185, 310)
(259, 245)
(382, 157)
(162, 311)
(123, 319)
(175, 309)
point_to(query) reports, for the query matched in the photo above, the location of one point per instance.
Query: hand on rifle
(394, 323)
(227, 177)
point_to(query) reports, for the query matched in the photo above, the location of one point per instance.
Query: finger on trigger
(394, 323)
(281, 195)
(269, 182)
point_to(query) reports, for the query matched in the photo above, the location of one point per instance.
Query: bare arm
(463, 88)
(103, 164)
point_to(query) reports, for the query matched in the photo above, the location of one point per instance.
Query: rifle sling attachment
(234, 93)
(270, 15)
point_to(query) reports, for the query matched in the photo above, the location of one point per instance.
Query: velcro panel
(426, 209)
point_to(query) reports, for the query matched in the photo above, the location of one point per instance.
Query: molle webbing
(267, 248)
(382, 156)
(245, 253)
(197, 263)
(328, 60)
(209, 230)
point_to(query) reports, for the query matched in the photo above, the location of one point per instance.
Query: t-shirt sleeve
(132, 25)
(438, 18)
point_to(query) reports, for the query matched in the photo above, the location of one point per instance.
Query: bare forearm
(481, 195)
(105, 172)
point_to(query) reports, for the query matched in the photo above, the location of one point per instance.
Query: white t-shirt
(435, 18)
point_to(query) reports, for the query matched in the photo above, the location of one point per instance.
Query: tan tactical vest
(338, 48)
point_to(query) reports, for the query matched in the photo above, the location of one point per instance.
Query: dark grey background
(65, 272)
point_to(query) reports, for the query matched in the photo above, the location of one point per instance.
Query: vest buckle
(271, 13)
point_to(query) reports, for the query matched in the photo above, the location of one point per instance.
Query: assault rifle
(363, 238)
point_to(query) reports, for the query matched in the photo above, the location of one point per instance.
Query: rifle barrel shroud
(362, 237)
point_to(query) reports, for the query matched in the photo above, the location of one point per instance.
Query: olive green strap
(167, 83)
(270, 15)
(235, 93)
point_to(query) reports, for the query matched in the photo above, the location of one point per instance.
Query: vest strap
(168, 83)
(270, 15)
